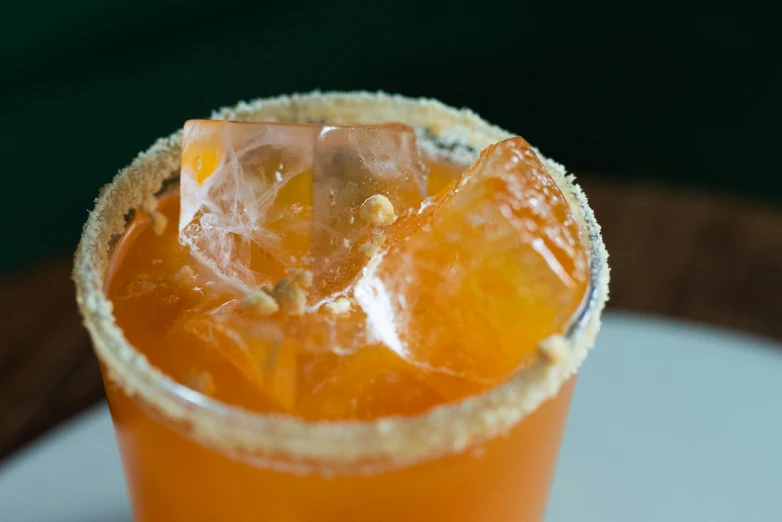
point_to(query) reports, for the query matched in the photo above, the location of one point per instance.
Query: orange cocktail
(362, 344)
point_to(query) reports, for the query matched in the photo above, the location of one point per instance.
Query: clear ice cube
(259, 199)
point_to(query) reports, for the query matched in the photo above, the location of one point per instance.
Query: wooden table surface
(709, 259)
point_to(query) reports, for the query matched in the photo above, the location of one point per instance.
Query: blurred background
(671, 120)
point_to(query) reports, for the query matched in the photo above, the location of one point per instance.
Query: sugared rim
(288, 443)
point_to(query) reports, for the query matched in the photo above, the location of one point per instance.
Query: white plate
(670, 422)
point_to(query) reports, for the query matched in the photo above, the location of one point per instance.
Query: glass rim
(284, 442)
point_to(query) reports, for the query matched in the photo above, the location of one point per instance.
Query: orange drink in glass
(371, 343)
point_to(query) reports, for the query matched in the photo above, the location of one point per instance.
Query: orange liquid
(172, 478)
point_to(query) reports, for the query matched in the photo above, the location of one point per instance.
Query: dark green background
(686, 96)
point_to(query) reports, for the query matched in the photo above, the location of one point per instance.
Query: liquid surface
(492, 264)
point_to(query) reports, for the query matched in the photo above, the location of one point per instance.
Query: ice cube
(373, 382)
(265, 361)
(352, 165)
(273, 353)
(487, 269)
(261, 199)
